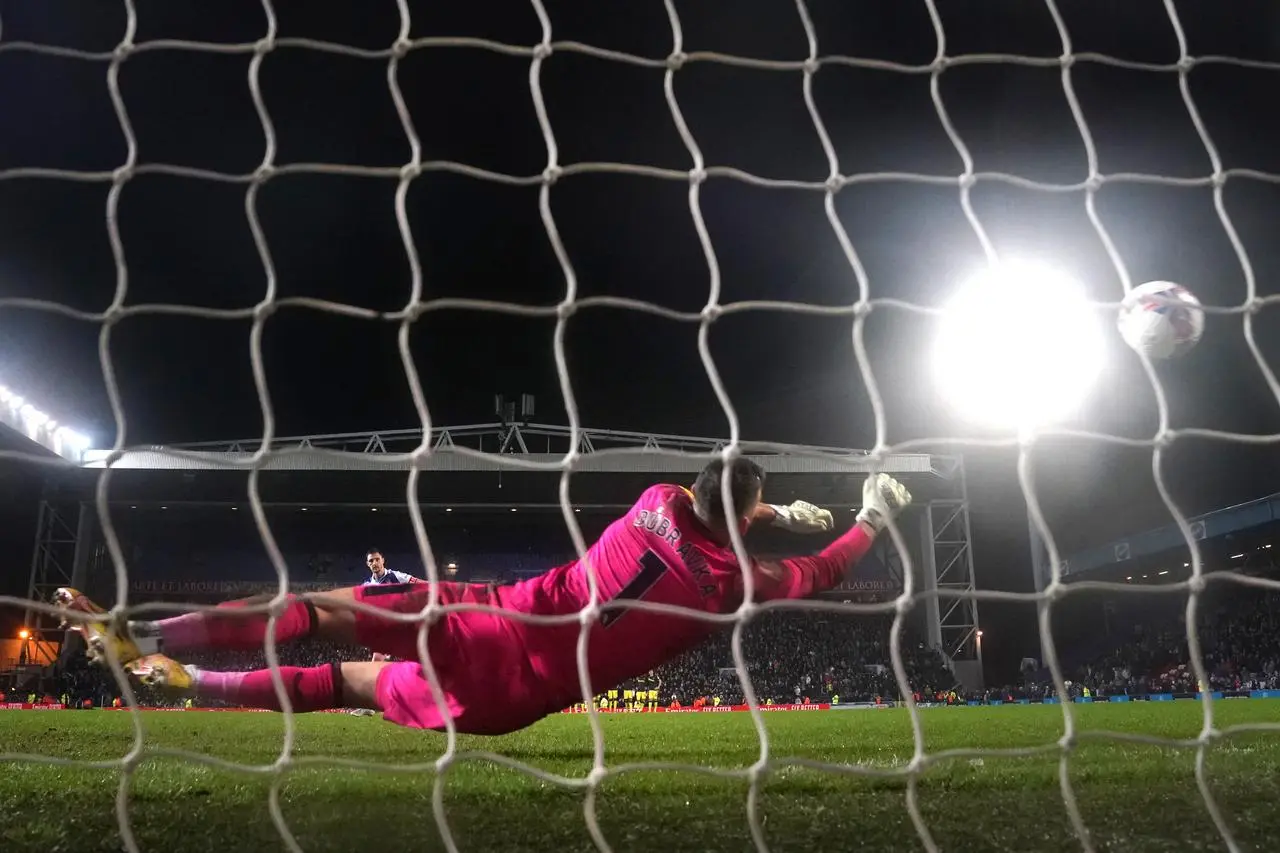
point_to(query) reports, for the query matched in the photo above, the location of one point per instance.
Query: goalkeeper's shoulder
(667, 492)
(662, 497)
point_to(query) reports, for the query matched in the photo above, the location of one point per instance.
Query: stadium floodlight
(32, 418)
(20, 415)
(1019, 347)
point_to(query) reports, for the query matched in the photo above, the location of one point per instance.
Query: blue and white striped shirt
(389, 576)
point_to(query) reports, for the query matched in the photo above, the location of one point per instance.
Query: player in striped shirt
(379, 573)
(495, 673)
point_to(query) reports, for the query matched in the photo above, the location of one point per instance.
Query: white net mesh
(698, 172)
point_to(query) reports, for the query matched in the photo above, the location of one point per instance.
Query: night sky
(792, 377)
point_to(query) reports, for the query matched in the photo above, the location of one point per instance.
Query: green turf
(1131, 796)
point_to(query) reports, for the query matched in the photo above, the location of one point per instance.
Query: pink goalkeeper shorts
(487, 684)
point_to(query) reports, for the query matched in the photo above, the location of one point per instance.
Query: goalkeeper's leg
(327, 615)
(399, 689)
(316, 688)
(225, 627)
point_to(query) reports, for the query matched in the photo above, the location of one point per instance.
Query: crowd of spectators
(796, 657)
(791, 656)
(1139, 646)
(821, 657)
(1147, 650)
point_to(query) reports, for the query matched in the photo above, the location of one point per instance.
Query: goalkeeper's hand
(802, 517)
(882, 499)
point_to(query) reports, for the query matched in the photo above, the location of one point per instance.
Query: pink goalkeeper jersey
(658, 552)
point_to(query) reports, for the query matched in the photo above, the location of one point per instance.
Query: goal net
(878, 147)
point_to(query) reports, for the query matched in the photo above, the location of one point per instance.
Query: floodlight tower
(1019, 349)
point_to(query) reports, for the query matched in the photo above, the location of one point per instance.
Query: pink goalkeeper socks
(221, 629)
(316, 688)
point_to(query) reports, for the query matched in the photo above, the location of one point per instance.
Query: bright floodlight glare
(1018, 347)
(73, 439)
(33, 416)
(16, 412)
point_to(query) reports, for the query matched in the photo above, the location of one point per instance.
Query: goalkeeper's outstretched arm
(798, 577)
(799, 517)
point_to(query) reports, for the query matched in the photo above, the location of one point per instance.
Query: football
(1161, 319)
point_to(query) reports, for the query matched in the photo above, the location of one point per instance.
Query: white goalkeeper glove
(802, 517)
(882, 499)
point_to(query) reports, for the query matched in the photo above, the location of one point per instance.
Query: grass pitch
(1132, 796)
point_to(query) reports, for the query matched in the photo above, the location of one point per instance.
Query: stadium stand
(1111, 645)
(209, 554)
(792, 658)
(1136, 645)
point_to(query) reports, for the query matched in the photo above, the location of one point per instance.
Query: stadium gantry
(505, 467)
(1236, 537)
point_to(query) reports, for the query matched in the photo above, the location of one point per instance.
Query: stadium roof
(13, 440)
(476, 447)
(1211, 525)
(26, 429)
(502, 465)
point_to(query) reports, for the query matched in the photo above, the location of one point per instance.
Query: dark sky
(791, 377)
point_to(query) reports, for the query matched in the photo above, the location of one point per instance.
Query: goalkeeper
(499, 674)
